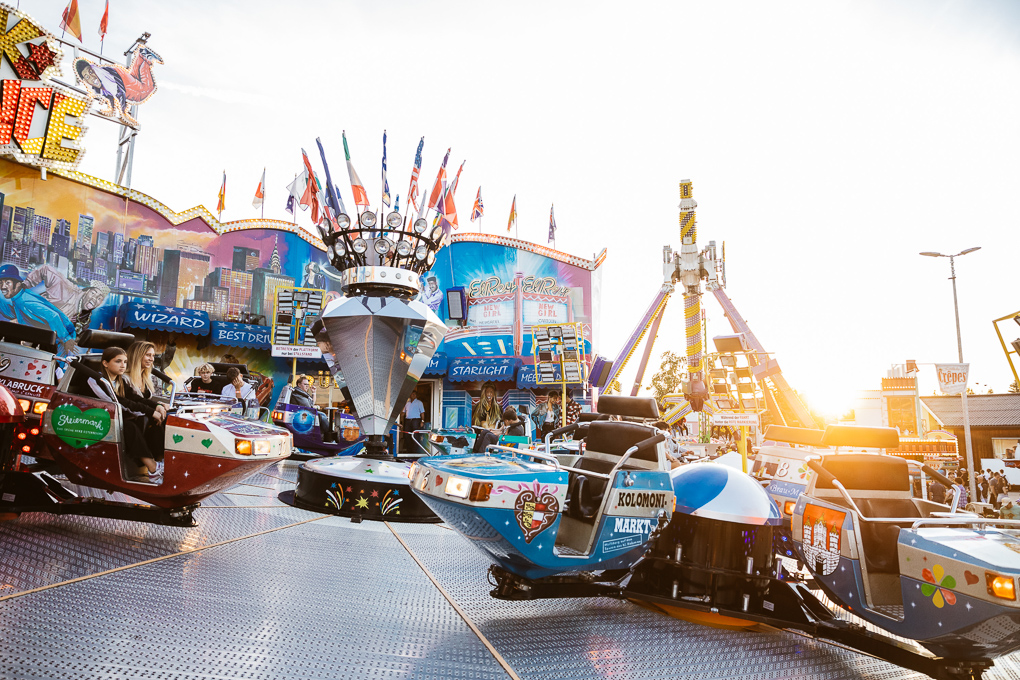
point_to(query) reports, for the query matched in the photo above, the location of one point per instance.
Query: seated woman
(303, 394)
(134, 408)
(204, 383)
(140, 357)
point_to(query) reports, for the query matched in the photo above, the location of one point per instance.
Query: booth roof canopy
(240, 335)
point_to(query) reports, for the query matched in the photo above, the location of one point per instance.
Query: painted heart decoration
(207, 443)
(178, 438)
(80, 429)
(439, 480)
(971, 578)
(535, 514)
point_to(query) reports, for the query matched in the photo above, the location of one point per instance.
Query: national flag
(104, 23)
(260, 192)
(456, 180)
(478, 209)
(385, 183)
(295, 190)
(439, 186)
(70, 20)
(513, 214)
(312, 190)
(449, 208)
(360, 195)
(552, 225)
(412, 192)
(333, 198)
(396, 203)
(221, 203)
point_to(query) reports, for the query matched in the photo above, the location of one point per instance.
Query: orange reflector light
(25, 404)
(277, 415)
(22, 436)
(40, 407)
(788, 507)
(243, 447)
(34, 431)
(480, 491)
(1000, 586)
(26, 448)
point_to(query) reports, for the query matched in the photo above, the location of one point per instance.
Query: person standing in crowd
(961, 491)
(413, 412)
(573, 408)
(547, 416)
(486, 412)
(982, 486)
(936, 491)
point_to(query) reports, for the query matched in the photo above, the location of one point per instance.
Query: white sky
(828, 143)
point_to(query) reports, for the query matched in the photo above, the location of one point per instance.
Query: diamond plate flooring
(260, 590)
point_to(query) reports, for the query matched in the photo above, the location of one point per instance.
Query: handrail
(965, 520)
(586, 473)
(551, 434)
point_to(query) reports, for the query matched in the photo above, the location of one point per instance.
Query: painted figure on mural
(487, 412)
(117, 87)
(29, 308)
(313, 276)
(432, 295)
(75, 302)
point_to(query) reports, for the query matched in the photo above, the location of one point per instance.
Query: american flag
(412, 193)
(479, 208)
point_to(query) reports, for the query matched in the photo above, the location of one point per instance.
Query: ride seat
(606, 443)
(880, 486)
(79, 383)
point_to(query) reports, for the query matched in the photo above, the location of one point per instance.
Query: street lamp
(959, 347)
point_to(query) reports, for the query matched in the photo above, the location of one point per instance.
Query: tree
(670, 375)
(1014, 388)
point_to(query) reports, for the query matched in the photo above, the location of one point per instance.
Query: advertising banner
(735, 419)
(952, 377)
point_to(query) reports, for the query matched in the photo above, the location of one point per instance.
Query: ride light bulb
(788, 507)
(26, 448)
(243, 447)
(40, 407)
(1000, 586)
(22, 436)
(34, 431)
(458, 487)
(25, 405)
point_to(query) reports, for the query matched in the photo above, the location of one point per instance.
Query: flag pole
(294, 214)
(263, 195)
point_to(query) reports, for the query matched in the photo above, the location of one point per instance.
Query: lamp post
(959, 347)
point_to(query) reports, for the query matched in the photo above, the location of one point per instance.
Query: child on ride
(135, 409)
(204, 383)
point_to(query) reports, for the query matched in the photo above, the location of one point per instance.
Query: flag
(396, 203)
(412, 192)
(552, 225)
(456, 180)
(260, 192)
(385, 183)
(478, 209)
(333, 198)
(294, 191)
(513, 214)
(221, 204)
(70, 20)
(439, 186)
(449, 209)
(360, 195)
(310, 197)
(104, 23)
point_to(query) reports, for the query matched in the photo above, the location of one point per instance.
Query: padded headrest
(794, 435)
(615, 437)
(93, 338)
(588, 417)
(634, 407)
(222, 368)
(866, 472)
(45, 339)
(865, 437)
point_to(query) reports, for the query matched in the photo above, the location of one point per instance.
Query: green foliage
(1014, 388)
(670, 375)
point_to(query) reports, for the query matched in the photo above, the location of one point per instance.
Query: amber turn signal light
(243, 447)
(1000, 586)
(480, 491)
(788, 507)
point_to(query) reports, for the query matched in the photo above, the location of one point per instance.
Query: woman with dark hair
(135, 409)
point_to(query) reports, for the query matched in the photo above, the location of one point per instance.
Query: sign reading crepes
(952, 377)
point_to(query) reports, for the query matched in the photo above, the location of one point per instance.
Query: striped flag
(104, 23)
(478, 209)
(221, 197)
(360, 195)
(333, 198)
(70, 20)
(552, 225)
(437, 188)
(456, 180)
(513, 214)
(294, 191)
(385, 183)
(412, 193)
(312, 190)
(449, 209)
(260, 192)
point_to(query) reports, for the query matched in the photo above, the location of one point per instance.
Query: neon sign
(540, 285)
(40, 121)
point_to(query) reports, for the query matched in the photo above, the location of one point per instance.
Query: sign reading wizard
(80, 429)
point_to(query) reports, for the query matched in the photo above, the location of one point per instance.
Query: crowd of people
(992, 489)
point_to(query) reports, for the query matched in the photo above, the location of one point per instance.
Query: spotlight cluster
(369, 244)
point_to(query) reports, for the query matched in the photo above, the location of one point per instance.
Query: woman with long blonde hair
(140, 357)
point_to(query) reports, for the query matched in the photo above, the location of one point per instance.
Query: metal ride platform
(261, 590)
